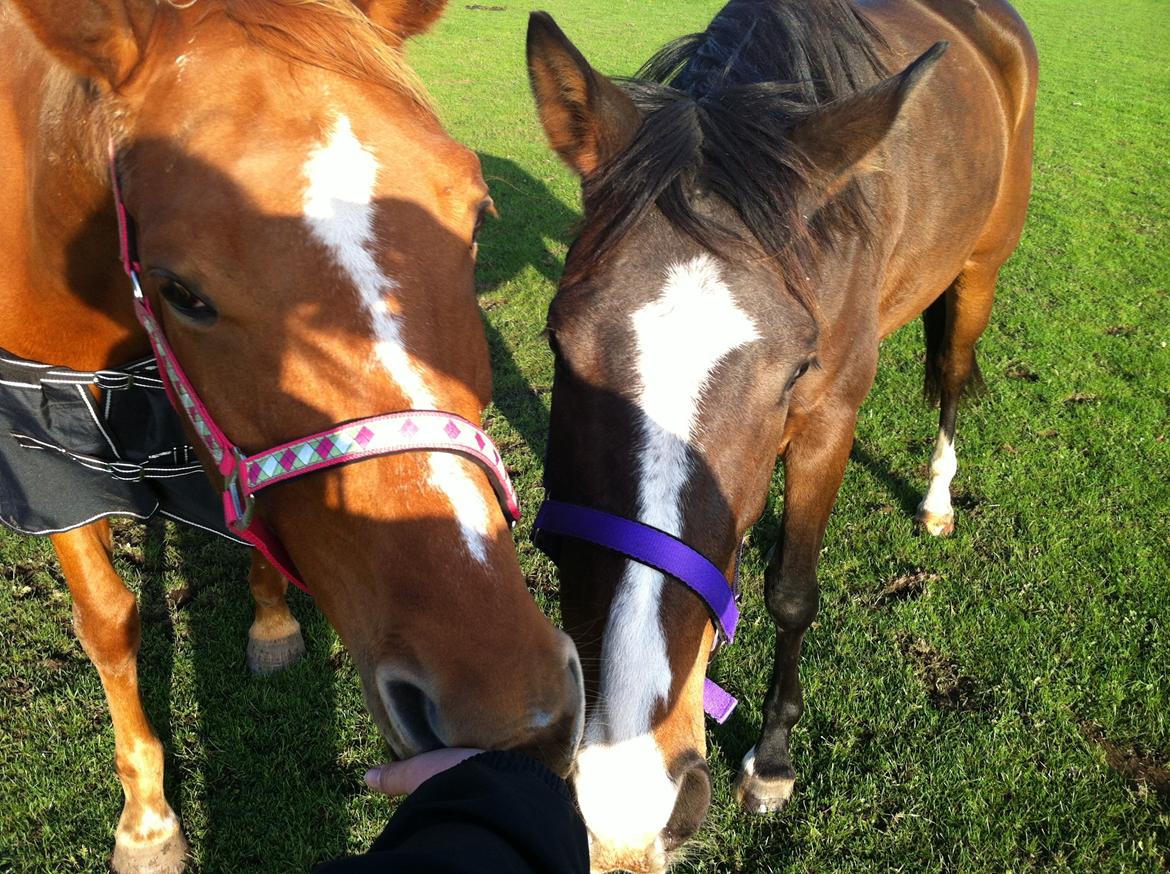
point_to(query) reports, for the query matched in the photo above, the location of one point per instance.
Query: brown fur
(406, 18)
(211, 152)
(882, 197)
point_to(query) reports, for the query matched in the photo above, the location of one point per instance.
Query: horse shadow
(256, 747)
(531, 218)
(265, 743)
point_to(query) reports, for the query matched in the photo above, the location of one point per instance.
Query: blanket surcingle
(69, 457)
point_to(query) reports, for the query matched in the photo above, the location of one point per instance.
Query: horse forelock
(718, 108)
(332, 35)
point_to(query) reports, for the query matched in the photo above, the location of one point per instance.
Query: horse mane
(717, 109)
(332, 35)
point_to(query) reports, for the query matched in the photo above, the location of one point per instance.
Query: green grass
(995, 722)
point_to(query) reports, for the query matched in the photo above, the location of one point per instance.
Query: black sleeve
(495, 812)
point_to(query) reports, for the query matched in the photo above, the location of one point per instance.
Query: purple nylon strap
(663, 552)
(718, 703)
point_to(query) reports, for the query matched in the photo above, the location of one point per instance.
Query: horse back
(998, 32)
(961, 164)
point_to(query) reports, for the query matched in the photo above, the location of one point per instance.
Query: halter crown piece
(244, 475)
(663, 552)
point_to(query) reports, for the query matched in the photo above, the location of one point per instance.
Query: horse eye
(553, 345)
(486, 207)
(185, 301)
(800, 371)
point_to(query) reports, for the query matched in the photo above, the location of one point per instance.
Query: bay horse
(763, 203)
(305, 232)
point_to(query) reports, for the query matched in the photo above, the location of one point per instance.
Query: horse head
(307, 235)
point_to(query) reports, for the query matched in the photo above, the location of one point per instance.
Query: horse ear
(99, 39)
(586, 117)
(406, 18)
(837, 138)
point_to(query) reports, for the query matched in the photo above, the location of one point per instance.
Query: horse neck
(65, 300)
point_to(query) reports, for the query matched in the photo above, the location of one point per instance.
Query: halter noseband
(663, 552)
(245, 475)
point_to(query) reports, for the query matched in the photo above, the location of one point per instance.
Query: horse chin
(653, 860)
(626, 795)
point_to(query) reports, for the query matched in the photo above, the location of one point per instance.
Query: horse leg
(814, 466)
(274, 640)
(149, 839)
(953, 324)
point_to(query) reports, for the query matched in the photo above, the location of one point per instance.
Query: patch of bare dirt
(1131, 760)
(181, 597)
(965, 501)
(17, 688)
(904, 587)
(947, 687)
(1019, 371)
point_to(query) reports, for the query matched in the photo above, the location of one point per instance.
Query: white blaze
(681, 338)
(342, 175)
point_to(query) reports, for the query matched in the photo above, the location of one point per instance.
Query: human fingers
(402, 778)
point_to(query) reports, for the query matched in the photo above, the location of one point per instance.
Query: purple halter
(663, 552)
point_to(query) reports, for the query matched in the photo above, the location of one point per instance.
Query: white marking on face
(625, 795)
(340, 211)
(681, 337)
(943, 466)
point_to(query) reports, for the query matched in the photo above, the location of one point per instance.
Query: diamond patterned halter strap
(245, 475)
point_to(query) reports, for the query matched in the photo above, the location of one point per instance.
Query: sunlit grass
(1049, 608)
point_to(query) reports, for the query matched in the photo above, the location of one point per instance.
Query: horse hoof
(270, 656)
(937, 525)
(763, 794)
(168, 856)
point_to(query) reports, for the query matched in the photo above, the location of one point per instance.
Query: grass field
(998, 701)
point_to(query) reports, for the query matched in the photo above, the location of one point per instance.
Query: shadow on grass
(882, 470)
(275, 797)
(156, 657)
(530, 216)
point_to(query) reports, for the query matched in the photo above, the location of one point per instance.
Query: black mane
(717, 108)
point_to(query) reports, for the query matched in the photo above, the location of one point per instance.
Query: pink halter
(245, 475)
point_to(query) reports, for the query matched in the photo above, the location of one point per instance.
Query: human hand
(402, 778)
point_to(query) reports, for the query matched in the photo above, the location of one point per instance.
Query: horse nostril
(690, 808)
(576, 700)
(413, 714)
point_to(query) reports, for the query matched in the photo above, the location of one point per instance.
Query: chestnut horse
(306, 230)
(763, 204)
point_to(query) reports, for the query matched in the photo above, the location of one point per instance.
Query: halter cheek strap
(245, 475)
(663, 552)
